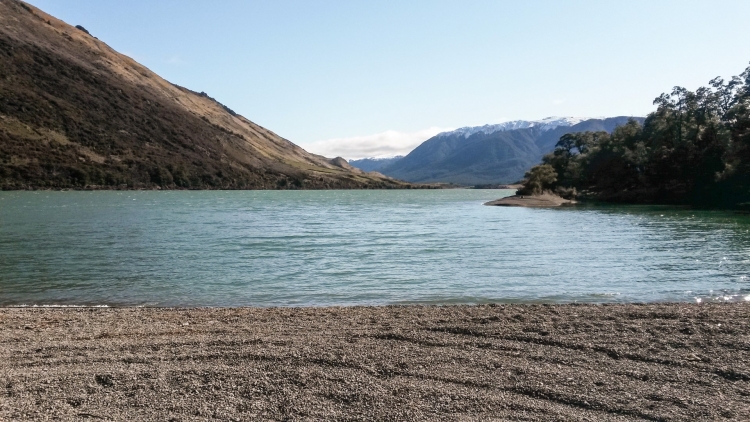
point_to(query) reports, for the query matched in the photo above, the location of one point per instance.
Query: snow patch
(386, 158)
(545, 124)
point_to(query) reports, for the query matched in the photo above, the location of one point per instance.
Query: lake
(311, 248)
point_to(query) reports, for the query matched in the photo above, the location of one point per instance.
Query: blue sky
(360, 78)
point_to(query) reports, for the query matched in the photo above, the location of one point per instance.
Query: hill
(74, 113)
(491, 153)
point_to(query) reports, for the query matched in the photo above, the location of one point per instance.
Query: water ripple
(267, 248)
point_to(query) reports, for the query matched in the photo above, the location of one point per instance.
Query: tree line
(694, 150)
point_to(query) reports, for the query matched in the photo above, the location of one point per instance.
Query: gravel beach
(517, 362)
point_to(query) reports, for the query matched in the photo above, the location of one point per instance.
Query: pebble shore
(506, 362)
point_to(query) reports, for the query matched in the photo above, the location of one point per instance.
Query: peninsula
(693, 150)
(544, 200)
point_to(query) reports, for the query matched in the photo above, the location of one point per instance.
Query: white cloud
(385, 144)
(176, 60)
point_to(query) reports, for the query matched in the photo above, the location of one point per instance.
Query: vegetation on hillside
(694, 149)
(75, 114)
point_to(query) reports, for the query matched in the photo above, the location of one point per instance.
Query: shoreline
(158, 189)
(545, 200)
(673, 361)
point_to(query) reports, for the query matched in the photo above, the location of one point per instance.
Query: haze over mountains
(74, 113)
(489, 154)
(374, 164)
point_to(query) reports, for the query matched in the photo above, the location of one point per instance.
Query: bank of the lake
(545, 200)
(508, 362)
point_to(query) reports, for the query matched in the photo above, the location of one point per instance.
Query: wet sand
(519, 362)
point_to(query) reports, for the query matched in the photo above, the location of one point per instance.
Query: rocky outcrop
(545, 200)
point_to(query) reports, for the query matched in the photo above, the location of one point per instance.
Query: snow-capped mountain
(489, 154)
(548, 123)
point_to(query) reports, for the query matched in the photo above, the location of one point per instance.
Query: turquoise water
(300, 248)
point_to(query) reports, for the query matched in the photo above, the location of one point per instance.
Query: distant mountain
(74, 113)
(374, 164)
(543, 124)
(490, 154)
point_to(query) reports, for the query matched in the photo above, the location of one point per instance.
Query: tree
(538, 179)
(693, 149)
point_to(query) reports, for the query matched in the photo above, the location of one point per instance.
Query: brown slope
(74, 113)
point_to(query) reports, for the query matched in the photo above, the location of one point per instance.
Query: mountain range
(74, 113)
(374, 164)
(488, 154)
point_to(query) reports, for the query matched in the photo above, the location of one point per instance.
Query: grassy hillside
(76, 114)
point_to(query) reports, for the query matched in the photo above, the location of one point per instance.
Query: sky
(358, 78)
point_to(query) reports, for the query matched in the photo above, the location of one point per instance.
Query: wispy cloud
(384, 144)
(175, 60)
